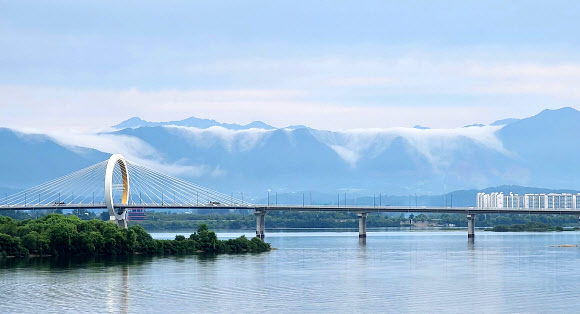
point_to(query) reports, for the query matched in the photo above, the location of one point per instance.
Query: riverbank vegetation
(227, 220)
(529, 226)
(245, 219)
(57, 234)
(235, 221)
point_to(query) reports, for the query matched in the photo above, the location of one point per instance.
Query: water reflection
(65, 262)
(471, 243)
(313, 272)
(124, 289)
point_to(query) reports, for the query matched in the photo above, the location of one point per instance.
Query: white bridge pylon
(116, 215)
(118, 184)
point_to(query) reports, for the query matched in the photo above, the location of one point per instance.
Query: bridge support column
(260, 224)
(470, 226)
(362, 225)
(120, 222)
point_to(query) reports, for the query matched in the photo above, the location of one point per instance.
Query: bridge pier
(362, 225)
(120, 222)
(260, 224)
(471, 226)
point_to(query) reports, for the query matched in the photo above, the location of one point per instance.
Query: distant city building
(528, 201)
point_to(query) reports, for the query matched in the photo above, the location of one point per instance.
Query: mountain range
(537, 151)
(137, 122)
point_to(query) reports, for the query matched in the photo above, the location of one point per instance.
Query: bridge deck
(315, 208)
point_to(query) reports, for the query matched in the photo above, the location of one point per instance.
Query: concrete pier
(470, 226)
(122, 223)
(260, 224)
(263, 227)
(120, 220)
(362, 225)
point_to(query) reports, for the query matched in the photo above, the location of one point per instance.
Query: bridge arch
(117, 215)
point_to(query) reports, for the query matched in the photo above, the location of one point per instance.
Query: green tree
(36, 243)
(12, 246)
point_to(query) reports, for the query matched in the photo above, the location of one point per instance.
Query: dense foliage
(57, 234)
(227, 220)
(245, 219)
(491, 220)
(530, 226)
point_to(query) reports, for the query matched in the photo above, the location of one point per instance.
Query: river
(314, 271)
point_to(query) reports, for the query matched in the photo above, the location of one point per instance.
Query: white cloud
(132, 148)
(436, 145)
(351, 156)
(365, 82)
(440, 73)
(231, 140)
(50, 109)
(328, 92)
(560, 80)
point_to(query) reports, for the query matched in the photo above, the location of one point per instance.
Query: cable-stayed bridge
(118, 184)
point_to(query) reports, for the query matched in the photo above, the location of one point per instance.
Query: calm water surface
(396, 271)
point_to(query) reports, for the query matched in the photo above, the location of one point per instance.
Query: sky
(68, 65)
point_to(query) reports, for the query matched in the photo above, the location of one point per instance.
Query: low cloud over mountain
(536, 151)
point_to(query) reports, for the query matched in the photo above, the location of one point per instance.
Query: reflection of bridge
(118, 184)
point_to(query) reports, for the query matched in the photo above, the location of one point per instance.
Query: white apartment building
(528, 201)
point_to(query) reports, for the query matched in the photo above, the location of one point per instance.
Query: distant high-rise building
(528, 201)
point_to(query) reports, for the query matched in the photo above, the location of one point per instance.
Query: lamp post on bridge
(242, 197)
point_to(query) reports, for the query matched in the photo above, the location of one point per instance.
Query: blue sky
(327, 64)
